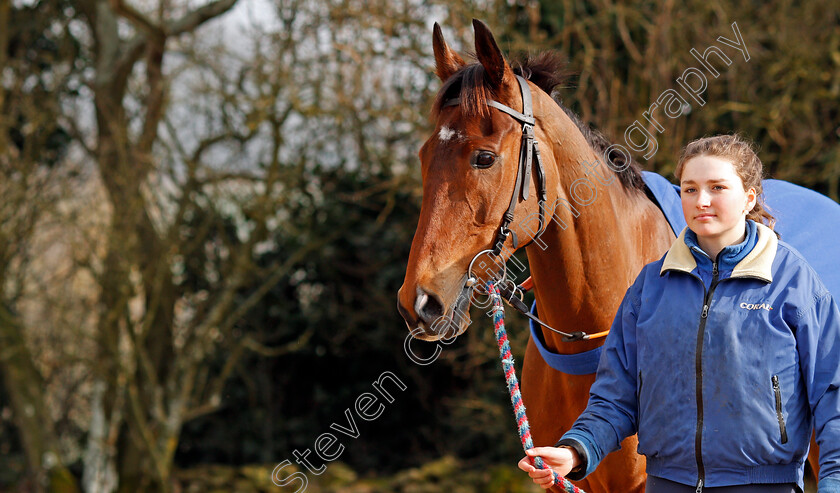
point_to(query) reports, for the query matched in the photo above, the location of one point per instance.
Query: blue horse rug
(805, 219)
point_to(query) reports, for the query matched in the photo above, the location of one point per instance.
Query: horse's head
(469, 170)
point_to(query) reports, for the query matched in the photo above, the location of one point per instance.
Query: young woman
(724, 353)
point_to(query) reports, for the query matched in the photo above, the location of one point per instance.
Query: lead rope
(513, 387)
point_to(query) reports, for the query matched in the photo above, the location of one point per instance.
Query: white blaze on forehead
(447, 133)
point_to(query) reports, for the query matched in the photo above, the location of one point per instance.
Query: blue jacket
(722, 367)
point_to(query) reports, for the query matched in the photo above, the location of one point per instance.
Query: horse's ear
(447, 62)
(490, 56)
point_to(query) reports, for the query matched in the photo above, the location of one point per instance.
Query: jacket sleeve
(610, 415)
(818, 341)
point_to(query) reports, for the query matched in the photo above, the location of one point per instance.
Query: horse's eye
(483, 159)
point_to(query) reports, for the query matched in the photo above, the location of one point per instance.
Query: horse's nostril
(428, 306)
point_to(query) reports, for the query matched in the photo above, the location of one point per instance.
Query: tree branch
(273, 352)
(132, 52)
(197, 17)
(136, 17)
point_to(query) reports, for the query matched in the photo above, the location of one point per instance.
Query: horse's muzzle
(432, 320)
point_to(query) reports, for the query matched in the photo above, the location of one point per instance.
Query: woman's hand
(560, 459)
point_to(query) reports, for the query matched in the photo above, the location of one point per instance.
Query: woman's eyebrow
(714, 180)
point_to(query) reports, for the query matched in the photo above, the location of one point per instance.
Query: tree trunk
(34, 424)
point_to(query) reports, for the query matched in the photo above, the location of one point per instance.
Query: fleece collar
(758, 263)
(730, 255)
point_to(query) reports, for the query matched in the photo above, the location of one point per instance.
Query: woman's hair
(741, 154)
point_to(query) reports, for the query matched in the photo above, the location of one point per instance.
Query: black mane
(547, 70)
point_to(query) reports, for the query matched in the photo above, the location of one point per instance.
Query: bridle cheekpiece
(529, 156)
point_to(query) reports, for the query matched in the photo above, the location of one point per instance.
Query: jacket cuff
(592, 454)
(828, 485)
(579, 472)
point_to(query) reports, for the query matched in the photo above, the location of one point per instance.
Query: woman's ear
(752, 198)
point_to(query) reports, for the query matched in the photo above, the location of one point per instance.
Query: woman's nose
(703, 199)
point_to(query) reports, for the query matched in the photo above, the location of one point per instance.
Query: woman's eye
(483, 159)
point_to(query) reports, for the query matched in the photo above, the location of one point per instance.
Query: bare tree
(185, 156)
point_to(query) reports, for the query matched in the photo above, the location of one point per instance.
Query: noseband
(529, 156)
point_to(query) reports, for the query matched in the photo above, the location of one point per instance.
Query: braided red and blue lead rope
(513, 387)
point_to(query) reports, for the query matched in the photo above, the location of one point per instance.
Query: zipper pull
(776, 382)
(699, 486)
(705, 311)
(714, 269)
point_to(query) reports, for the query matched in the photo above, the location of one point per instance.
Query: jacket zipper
(698, 368)
(778, 391)
(639, 401)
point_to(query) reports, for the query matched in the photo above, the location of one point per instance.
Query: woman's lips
(704, 216)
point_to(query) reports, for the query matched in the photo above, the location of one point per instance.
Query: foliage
(786, 97)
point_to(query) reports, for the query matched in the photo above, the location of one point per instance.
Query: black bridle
(529, 156)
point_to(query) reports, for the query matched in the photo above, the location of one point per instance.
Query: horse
(589, 229)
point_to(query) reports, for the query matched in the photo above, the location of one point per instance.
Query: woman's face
(714, 201)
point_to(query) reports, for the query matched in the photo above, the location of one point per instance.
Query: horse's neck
(581, 275)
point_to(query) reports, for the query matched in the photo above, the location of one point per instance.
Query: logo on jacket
(756, 306)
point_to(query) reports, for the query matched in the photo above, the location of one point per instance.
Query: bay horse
(587, 256)
(597, 228)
